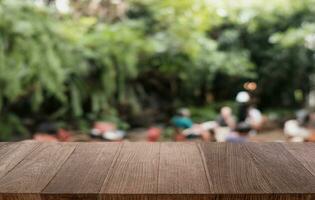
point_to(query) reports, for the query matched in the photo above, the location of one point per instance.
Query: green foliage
(12, 124)
(35, 61)
(280, 114)
(278, 45)
(114, 51)
(81, 67)
(210, 112)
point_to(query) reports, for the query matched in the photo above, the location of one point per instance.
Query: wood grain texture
(236, 197)
(83, 173)
(20, 196)
(2, 143)
(181, 170)
(72, 196)
(305, 153)
(157, 171)
(285, 174)
(35, 171)
(175, 197)
(13, 153)
(231, 169)
(129, 197)
(135, 171)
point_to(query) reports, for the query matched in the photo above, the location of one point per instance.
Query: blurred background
(152, 70)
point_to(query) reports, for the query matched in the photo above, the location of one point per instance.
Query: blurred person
(242, 98)
(180, 122)
(186, 129)
(182, 119)
(241, 133)
(107, 131)
(306, 123)
(226, 118)
(204, 130)
(226, 122)
(297, 130)
(49, 132)
(254, 118)
(46, 132)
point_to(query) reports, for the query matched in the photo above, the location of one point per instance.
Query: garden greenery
(158, 54)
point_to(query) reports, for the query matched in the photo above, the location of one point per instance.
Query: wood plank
(182, 197)
(129, 197)
(83, 173)
(20, 197)
(231, 170)
(134, 172)
(305, 153)
(72, 196)
(212, 197)
(158, 171)
(181, 170)
(33, 173)
(2, 143)
(236, 197)
(283, 171)
(12, 153)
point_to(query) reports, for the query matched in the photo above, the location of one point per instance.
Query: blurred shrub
(11, 127)
(35, 61)
(79, 67)
(210, 112)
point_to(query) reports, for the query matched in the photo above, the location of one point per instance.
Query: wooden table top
(32, 170)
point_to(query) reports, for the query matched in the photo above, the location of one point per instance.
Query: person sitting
(243, 99)
(226, 122)
(241, 134)
(254, 118)
(186, 129)
(107, 131)
(181, 122)
(226, 118)
(297, 130)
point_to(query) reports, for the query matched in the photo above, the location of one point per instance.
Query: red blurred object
(64, 135)
(154, 134)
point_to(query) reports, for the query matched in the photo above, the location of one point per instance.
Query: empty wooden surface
(119, 171)
(180, 162)
(135, 171)
(84, 172)
(231, 169)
